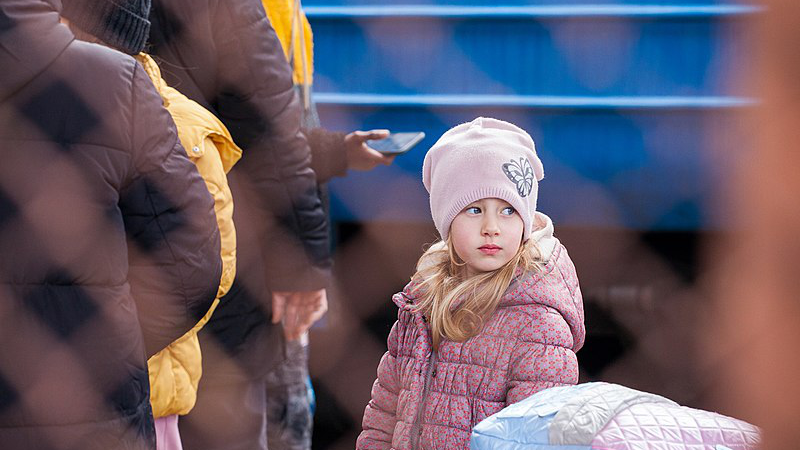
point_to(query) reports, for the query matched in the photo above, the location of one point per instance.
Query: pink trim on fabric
(167, 435)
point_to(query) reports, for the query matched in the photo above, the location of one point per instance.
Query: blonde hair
(442, 281)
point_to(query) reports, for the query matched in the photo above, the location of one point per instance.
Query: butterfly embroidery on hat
(521, 174)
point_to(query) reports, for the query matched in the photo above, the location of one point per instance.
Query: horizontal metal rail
(535, 102)
(530, 11)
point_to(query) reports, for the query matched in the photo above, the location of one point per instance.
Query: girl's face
(486, 235)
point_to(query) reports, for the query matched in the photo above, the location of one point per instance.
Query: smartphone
(397, 143)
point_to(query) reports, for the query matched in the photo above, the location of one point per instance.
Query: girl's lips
(489, 249)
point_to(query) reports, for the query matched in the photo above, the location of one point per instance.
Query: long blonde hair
(442, 281)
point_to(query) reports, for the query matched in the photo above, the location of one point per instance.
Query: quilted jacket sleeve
(542, 357)
(380, 414)
(257, 102)
(328, 154)
(174, 242)
(544, 352)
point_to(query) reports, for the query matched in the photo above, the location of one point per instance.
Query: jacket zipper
(416, 429)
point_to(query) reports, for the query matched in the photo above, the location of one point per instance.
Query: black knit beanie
(122, 24)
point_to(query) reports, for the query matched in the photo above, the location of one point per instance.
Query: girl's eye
(473, 210)
(508, 211)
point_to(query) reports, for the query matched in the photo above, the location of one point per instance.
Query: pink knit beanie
(485, 158)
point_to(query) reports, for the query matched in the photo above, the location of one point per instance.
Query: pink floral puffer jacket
(432, 400)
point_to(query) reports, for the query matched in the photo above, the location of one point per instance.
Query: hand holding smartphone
(397, 143)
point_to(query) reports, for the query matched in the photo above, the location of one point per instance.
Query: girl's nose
(490, 227)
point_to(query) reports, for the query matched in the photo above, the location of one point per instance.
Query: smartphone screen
(397, 143)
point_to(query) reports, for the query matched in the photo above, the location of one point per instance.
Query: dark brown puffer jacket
(226, 56)
(97, 201)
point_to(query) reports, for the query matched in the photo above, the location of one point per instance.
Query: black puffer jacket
(92, 177)
(226, 56)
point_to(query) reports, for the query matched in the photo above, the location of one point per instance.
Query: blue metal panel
(629, 103)
(530, 11)
(401, 3)
(576, 56)
(531, 101)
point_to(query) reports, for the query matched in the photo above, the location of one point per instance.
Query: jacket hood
(31, 38)
(194, 122)
(543, 235)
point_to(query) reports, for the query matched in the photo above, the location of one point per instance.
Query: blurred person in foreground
(289, 391)
(175, 371)
(225, 56)
(758, 287)
(110, 248)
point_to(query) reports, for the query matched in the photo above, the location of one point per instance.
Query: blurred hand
(359, 155)
(298, 310)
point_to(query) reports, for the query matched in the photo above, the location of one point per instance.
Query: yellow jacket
(282, 14)
(175, 371)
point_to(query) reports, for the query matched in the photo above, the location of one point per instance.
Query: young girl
(494, 312)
